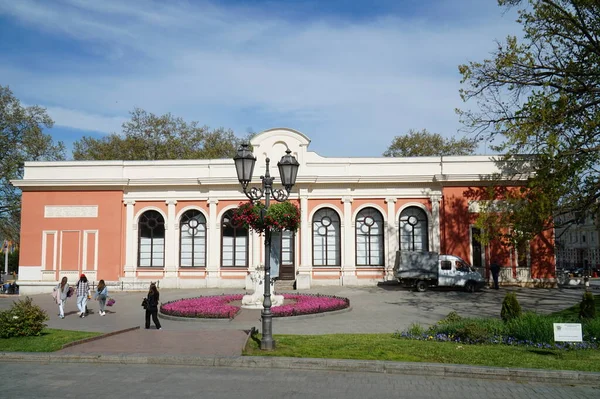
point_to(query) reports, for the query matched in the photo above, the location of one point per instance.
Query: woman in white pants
(62, 291)
(83, 290)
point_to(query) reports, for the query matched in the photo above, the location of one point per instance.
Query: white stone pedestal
(255, 300)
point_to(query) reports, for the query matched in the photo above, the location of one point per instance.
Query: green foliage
(473, 332)
(538, 98)
(150, 137)
(280, 216)
(423, 143)
(49, 340)
(591, 329)
(462, 327)
(587, 307)
(531, 327)
(416, 329)
(510, 307)
(23, 319)
(451, 318)
(21, 139)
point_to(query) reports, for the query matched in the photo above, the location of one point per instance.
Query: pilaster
(214, 243)
(171, 250)
(304, 271)
(348, 244)
(435, 222)
(392, 238)
(130, 236)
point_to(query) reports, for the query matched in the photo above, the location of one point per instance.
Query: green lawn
(51, 340)
(386, 347)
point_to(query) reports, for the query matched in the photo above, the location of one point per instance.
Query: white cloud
(85, 121)
(245, 67)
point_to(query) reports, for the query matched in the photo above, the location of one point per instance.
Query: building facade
(578, 246)
(170, 221)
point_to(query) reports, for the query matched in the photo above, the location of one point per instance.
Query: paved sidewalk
(382, 309)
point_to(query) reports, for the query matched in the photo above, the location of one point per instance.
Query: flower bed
(220, 307)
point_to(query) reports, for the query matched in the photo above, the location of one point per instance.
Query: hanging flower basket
(280, 216)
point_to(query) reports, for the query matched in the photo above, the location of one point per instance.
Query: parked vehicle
(421, 270)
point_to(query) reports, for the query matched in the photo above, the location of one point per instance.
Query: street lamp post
(288, 170)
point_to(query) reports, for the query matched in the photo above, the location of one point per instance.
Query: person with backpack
(152, 306)
(101, 294)
(60, 294)
(83, 290)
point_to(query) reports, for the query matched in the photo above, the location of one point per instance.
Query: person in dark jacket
(495, 269)
(152, 307)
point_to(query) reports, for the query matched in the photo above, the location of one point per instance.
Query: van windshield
(462, 265)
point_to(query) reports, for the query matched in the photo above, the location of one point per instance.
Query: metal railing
(125, 285)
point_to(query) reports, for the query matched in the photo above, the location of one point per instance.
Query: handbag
(145, 303)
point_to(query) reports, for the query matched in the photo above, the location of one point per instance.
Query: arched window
(234, 242)
(151, 240)
(326, 238)
(192, 239)
(369, 238)
(414, 234)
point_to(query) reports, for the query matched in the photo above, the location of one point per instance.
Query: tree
(150, 137)
(539, 96)
(423, 144)
(21, 139)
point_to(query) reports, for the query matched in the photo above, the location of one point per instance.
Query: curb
(372, 366)
(110, 334)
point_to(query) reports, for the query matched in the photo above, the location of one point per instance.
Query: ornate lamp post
(288, 170)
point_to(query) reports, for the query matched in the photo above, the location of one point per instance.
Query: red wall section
(455, 221)
(70, 231)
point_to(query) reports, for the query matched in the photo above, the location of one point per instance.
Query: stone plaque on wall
(71, 211)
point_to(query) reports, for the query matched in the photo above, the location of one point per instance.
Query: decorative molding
(71, 211)
(171, 202)
(129, 202)
(213, 201)
(390, 199)
(347, 199)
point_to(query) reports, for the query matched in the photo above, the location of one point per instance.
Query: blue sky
(351, 75)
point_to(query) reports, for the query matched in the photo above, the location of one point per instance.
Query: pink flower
(219, 306)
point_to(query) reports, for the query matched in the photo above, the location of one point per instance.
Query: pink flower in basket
(110, 302)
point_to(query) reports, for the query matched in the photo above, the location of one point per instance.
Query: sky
(350, 75)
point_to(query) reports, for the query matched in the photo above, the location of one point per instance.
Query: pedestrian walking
(101, 294)
(152, 306)
(495, 269)
(83, 291)
(60, 294)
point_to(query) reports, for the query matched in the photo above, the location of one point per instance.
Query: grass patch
(50, 340)
(387, 347)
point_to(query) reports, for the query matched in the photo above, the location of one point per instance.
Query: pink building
(135, 221)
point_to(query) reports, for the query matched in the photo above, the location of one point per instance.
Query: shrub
(510, 307)
(473, 333)
(459, 327)
(591, 330)
(23, 319)
(452, 317)
(587, 307)
(415, 330)
(531, 327)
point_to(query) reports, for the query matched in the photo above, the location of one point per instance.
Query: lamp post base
(267, 344)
